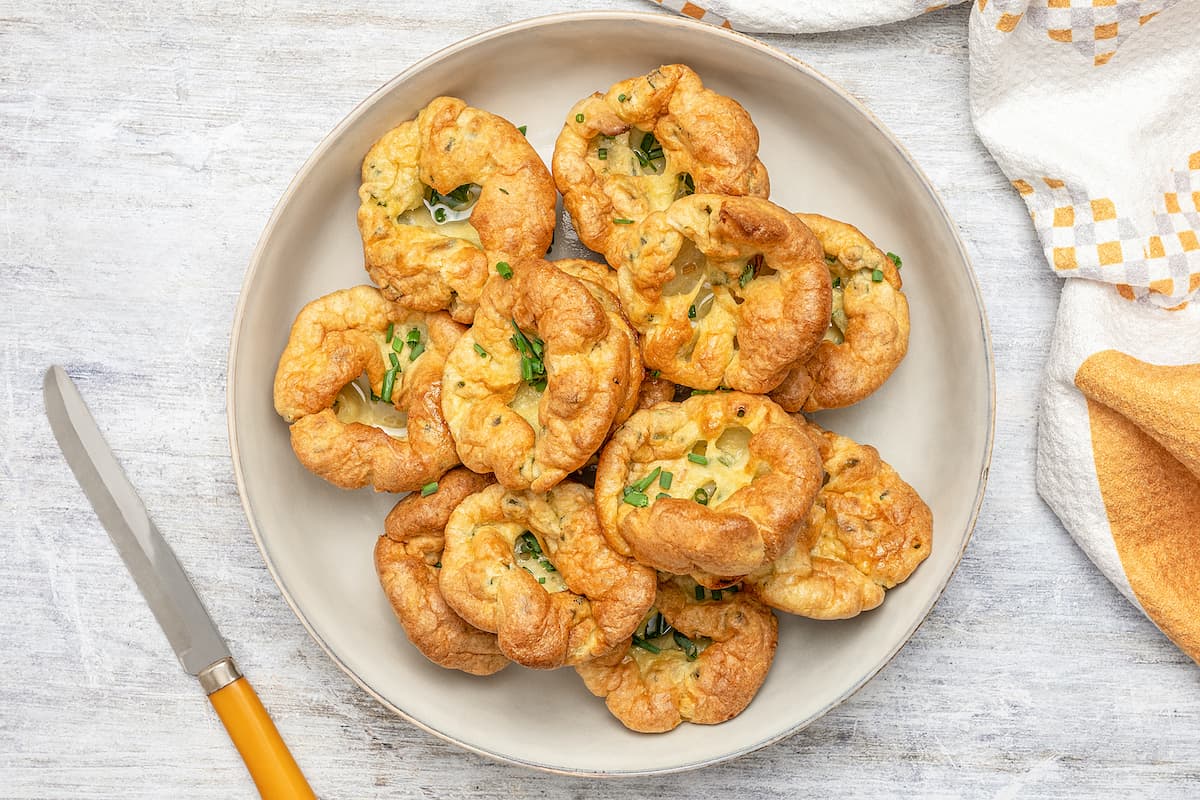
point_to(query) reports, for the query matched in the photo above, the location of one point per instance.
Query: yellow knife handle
(272, 767)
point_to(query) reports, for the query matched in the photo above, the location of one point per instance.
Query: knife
(169, 593)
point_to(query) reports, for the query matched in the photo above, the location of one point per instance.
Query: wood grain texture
(143, 148)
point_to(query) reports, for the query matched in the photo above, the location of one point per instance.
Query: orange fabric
(1145, 426)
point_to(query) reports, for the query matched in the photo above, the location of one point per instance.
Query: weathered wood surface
(143, 146)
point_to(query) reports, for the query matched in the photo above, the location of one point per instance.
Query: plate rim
(651, 18)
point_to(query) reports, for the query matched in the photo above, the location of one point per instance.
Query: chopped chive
(737, 587)
(661, 495)
(689, 185)
(837, 283)
(602, 154)
(439, 215)
(698, 459)
(389, 383)
(716, 594)
(395, 361)
(391, 329)
(621, 98)
(622, 221)
(699, 592)
(741, 412)
(645, 482)
(417, 349)
(664, 479)
(526, 370)
(642, 643)
(501, 188)
(642, 158)
(438, 565)
(691, 312)
(654, 373)
(523, 128)
(479, 349)
(701, 497)
(541, 580)
(877, 275)
(686, 645)
(413, 336)
(546, 565)
(539, 385)
(429, 488)
(747, 275)
(636, 499)
(579, 117)
(504, 269)
(895, 259)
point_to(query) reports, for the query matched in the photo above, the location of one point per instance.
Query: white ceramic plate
(824, 152)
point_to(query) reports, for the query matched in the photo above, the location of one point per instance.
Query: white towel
(1092, 110)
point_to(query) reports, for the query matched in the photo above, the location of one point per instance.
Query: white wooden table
(142, 148)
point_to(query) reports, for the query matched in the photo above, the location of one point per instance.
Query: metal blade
(146, 554)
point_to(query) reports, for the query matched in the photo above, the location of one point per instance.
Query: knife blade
(149, 558)
(171, 597)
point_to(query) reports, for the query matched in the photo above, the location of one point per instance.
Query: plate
(933, 420)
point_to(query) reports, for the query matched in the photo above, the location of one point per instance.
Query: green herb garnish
(747, 275)
(895, 259)
(522, 129)
(636, 498)
(504, 269)
(622, 221)
(877, 275)
(621, 98)
(429, 488)
(416, 350)
(479, 349)
(645, 482)
(701, 497)
(642, 643)
(579, 117)
(389, 383)
(390, 330)
(602, 154)
(664, 479)
(698, 459)
(691, 312)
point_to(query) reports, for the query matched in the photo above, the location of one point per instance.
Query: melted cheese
(354, 404)
(837, 320)
(549, 579)
(525, 403)
(457, 224)
(659, 184)
(729, 468)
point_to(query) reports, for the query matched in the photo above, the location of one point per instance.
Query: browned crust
(408, 560)
(601, 281)
(704, 134)
(752, 333)
(606, 594)
(735, 534)
(1151, 496)
(877, 325)
(668, 690)
(332, 342)
(590, 379)
(450, 144)
(867, 531)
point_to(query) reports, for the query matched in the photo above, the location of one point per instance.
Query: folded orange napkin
(1092, 110)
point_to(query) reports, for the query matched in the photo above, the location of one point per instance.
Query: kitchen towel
(1092, 110)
